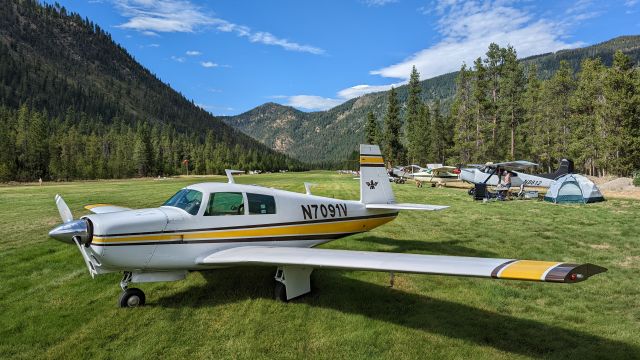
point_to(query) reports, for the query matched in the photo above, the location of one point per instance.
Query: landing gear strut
(291, 282)
(130, 297)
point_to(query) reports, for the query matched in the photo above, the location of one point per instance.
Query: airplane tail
(375, 187)
(566, 167)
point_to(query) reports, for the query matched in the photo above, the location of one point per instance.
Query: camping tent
(573, 188)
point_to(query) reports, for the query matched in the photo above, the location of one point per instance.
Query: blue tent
(573, 188)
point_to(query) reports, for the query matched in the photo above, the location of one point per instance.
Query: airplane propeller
(71, 230)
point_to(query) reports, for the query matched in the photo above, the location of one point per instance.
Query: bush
(636, 178)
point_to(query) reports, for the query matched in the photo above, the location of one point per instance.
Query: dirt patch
(619, 184)
(630, 262)
(604, 246)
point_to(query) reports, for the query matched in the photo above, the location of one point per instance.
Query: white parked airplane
(490, 173)
(215, 225)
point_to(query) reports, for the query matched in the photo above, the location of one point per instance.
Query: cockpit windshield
(188, 200)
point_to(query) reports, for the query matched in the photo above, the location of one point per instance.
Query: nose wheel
(130, 297)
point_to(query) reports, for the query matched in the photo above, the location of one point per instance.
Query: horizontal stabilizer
(105, 208)
(408, 263)
(406, 207)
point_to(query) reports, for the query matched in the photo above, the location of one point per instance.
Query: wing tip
(573, 273)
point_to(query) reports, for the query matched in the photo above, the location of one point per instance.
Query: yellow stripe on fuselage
(338, 227)
(371, 160)
(527, 270)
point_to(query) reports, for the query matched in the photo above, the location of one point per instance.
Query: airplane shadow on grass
(333, 290)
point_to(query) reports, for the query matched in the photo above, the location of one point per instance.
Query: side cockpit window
(261, 204)
(225, 203)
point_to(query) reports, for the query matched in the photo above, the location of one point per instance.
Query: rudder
(375, 187)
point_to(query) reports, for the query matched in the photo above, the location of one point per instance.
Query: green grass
(51, 308)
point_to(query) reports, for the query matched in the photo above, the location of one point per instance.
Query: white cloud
(193, 53)
(161, 15)
(318, 103)
(179, 59)
(268, 39)
(359, 90)
(379, 2)
(312, 102)
(468, 27)
(208, 64)
(153, 16)
(149, 33)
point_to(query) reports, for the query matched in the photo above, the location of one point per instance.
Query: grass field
(51, 308)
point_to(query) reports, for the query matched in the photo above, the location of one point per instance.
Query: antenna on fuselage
(230, 173)
(307, 187)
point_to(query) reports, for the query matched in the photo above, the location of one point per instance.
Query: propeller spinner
(71, 228)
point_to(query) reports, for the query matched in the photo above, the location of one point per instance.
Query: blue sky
(229, 56)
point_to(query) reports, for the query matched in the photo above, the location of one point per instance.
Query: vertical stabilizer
(375, 187)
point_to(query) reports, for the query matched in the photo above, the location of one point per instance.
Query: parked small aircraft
(215, 225)
(437, 174)
(490, 173)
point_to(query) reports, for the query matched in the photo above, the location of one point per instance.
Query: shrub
(636, 178)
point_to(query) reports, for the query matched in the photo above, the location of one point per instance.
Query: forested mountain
(74, 104)
(331, 136)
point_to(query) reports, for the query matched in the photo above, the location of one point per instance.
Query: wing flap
(408, 263)
(105, 208)
(405, 206)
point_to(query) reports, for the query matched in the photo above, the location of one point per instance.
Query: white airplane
(437, 174)
(216, 225)
(490, 173)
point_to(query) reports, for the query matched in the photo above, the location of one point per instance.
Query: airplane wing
(404, 206)
(514, 165)
(408, 263)
(105, 208)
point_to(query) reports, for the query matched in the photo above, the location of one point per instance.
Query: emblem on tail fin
(372, 184)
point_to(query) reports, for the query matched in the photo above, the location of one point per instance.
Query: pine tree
(423, 134)
(585, 103)
(412, 116)
(621, 111)
(534, 126)
(494, 68)
(37, 151)
(142, 151)
(557, 91)
(394, 151)
(372, 129)
(462, 110)
(481, 103)
(512, 85)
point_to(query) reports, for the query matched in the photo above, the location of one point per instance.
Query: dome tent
(573, 188)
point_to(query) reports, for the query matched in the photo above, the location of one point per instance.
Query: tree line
(75, 145)
(503, 110)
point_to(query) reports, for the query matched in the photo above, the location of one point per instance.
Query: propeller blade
(63, 209)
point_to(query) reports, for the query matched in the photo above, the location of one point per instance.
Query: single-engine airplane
(489, 173)
(216, 225)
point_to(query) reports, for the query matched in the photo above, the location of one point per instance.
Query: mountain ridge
(331, 135)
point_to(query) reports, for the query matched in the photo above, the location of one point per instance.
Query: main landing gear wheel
(280, 292)
(131, 297)
(472, 191)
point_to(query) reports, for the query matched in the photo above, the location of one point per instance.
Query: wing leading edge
(409, 263)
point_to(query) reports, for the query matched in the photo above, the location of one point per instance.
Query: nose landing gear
(130, 297)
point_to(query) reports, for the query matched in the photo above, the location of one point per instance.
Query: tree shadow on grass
(332, 290)
(450, 247)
